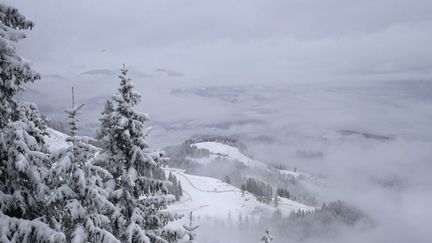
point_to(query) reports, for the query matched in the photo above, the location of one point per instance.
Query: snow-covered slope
(218, 150)
(56, 140)
(289, 172)
(205, 196)
(211, 197)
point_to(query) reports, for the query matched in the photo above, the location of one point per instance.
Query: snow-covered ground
(205, 196)
(56, 140)
(229, 152)
(289, 172)
(224, 151)
(209, 197)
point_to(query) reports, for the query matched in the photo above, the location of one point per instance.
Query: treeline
(324, 224)
(283, 192)
(321, 223)
(180, 155)
(175, 188)
(338, 209)
(228, 140)
(262, 191)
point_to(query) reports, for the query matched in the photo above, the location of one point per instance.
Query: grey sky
(235, 41)
(174, 48)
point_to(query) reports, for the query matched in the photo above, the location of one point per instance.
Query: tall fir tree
(135, 191)
(78, 202)
(73, 115)
(23, 155)
(14, 70)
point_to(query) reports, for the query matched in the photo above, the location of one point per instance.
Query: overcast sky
(234, 41)
(230, 42)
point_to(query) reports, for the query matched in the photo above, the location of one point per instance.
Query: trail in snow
(214, 198)
(199, 189)
(223, 191)
(187, 209)
(189, 198)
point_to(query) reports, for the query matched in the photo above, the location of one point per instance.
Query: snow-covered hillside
(205, 196)
(227, 159)
(220, 150)
(211, 197)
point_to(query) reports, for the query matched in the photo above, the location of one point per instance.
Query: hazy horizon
(350, 81)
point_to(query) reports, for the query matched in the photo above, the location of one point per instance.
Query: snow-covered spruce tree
(190, 229)
(73, 116)
(14, 70)
(267, 237)
(78, 202)
(135, 190)
(106, 132)
(23, 154)
(23, 169)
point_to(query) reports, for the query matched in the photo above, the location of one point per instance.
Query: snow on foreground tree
(23, 154)
(78, 202)
(23, 169)
(14, 70)
(134, 190)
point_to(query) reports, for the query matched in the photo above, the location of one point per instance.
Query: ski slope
(209, 197)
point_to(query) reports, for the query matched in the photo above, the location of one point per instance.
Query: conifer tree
(14, 70)
(175, 188)
(227, 179)
(267, 237)
(78, 201)
(105, 132)
(72, 115)
(23, 169)
(190, 229)
(136, 193)
(23, 154)
(180, 189)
